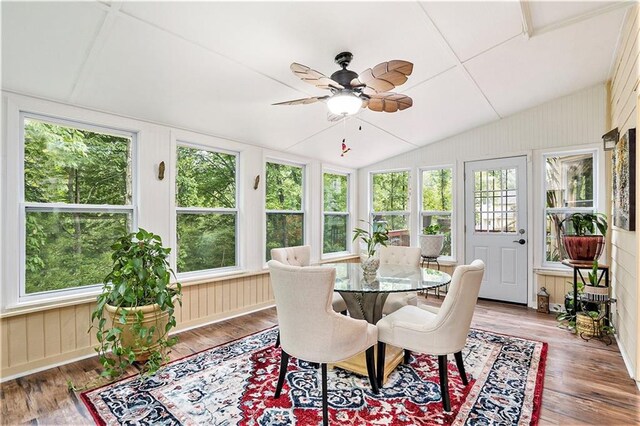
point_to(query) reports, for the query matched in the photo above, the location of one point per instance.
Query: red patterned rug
(234, 384)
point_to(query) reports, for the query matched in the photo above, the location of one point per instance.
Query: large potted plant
(378, 237)
(584, 244)
(139, 300)
(432, 241)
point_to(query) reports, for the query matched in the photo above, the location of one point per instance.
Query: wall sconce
(610, 139)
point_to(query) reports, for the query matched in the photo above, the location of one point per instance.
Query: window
(78, 199)
(390, 202)
(568, 188)
(284, 206)
(206, 209)
(335, 236)
(437, 204)
(495, 201)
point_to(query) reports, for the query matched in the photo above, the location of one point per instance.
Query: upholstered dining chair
(435, 331)
(311, 330)
(397, 255)
(301, 256)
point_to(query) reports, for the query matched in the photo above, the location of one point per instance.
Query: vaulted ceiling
(217, 67)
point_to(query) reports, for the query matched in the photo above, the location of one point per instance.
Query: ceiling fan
(350, 92)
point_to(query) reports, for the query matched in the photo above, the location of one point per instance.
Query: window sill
(558, 271)
(219, 276)
(336, 257)
(22, 308)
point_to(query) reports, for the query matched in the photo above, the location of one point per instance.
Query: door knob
(521, 241)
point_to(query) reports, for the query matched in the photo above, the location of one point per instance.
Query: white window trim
(20, 298)
(548, 265)
(452, 258)
(211, 272)
(408, 213)
(303, 211)
(347, 213)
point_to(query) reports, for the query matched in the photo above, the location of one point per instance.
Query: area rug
(233, 384)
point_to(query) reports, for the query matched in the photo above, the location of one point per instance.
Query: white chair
(310, 330)
(301, 256)
(436, 331)
(396, 255)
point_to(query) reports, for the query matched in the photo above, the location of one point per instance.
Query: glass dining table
(365, 297)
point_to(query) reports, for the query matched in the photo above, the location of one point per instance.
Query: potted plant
(140, 301)
(593, 290)
(380, 235)
(432, 241)
(584, 244)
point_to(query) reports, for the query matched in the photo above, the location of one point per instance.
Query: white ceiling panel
(147, 73)
(523, 73)
(443, 106)
(269, 36)
(545, 13)
(473, 27)
(44, 46)
(368, 145)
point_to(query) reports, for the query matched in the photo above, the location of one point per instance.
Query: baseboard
(627, 362)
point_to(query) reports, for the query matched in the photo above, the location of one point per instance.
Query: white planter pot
(431, 245)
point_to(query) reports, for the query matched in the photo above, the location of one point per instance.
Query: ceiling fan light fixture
(344, 103)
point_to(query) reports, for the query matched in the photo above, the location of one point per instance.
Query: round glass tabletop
(388, 279)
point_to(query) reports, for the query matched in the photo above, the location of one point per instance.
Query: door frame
(531, 232)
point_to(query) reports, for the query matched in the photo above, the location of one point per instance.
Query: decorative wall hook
(161, 170)
(256, 182)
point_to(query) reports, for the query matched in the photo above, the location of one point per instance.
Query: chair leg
(371, 370)
(314, 365)
(284, 362)
(460, 365)
(380, 367)
(277, 340)
(407, 356)
(325, 403)
(444, 385)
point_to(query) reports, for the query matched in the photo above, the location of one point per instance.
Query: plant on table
(140, 300)
(377, 237)
(432, 241)
(584, 244)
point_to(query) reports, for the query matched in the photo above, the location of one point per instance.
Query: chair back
(455, 314)
(397, 255)
(303, 302)
(294, 256)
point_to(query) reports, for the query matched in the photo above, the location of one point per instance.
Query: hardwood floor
(585, 382)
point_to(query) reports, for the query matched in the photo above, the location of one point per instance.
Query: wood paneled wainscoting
(43, 337)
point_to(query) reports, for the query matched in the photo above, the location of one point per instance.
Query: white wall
(574, 121)
(156, 198)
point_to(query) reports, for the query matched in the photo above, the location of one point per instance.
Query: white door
(496, 225)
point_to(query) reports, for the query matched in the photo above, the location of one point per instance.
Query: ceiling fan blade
(314, 77)
(303, 101)
(389, 102)
(385, 76)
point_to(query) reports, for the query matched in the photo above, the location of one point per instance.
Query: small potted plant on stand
(140, 302)
(379, 236)
(432, 241)
(584, 245)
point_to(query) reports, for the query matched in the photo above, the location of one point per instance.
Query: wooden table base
(357, 363)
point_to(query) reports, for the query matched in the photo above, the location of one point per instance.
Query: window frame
(206, 210)
(303, 202)
(407, 213)
(347, 213)
(545, 210)
(452, 213)
(24, 206)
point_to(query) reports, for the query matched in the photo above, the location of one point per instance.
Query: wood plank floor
(585, 382)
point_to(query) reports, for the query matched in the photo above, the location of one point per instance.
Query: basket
(587, 326)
